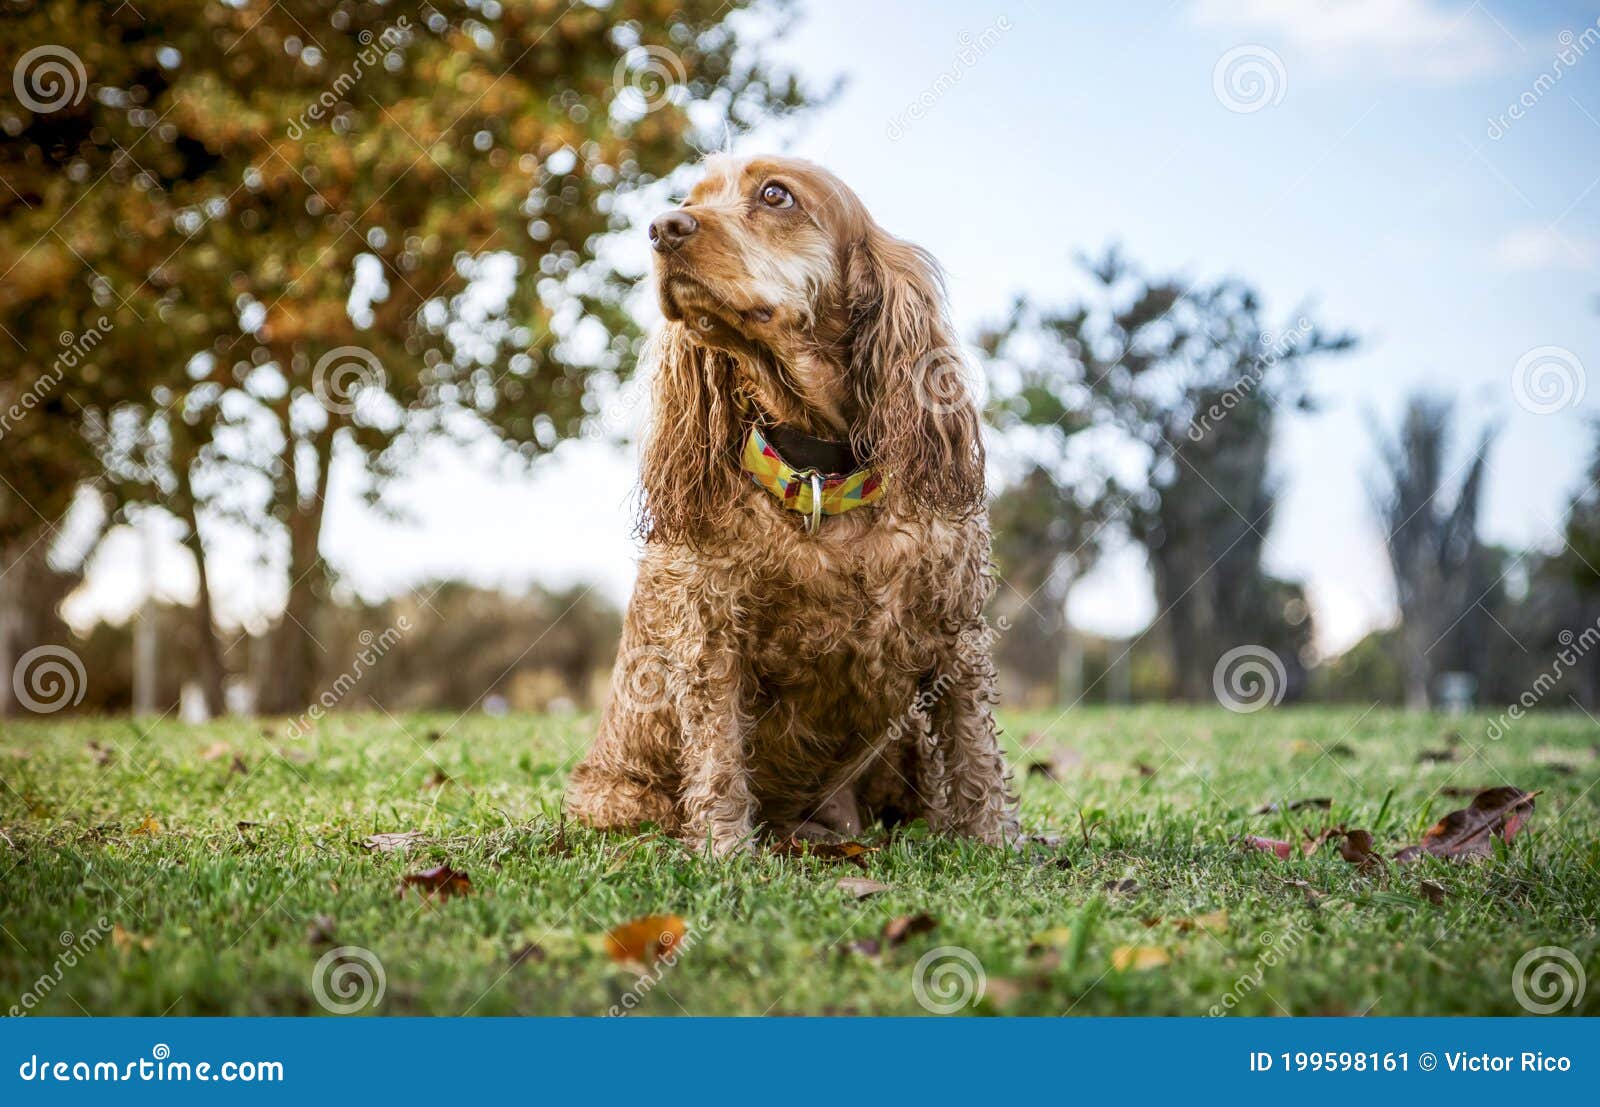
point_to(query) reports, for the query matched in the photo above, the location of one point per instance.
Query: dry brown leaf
(125, 940)
(852, 852)
(1432, 891)
(1125, 887)
(438, 883)
(102, 754)
(238, 767)
(1139, 958)
(321, 931)
(859, 886)
(150, 828)
(1469, 832)
(644, 940)
(897, 930)
(1269, 845)
(1323, 802)
(393, 842)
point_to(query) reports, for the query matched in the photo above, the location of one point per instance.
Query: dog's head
(777, 284)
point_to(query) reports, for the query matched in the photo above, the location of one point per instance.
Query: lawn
(227, 860)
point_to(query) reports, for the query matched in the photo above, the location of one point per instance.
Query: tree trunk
(212, 673)
(11, 620)
(287, 687)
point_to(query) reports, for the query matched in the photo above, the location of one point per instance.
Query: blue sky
(1366, 184)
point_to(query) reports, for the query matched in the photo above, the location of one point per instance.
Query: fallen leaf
(1270, 845)
(238, 767)
(1493, 813)
(215, 750)
(395, 842)
(1323, 802)
(1215, 922)
(859, 886)
(1438, 757)
(530, 952)
(1126, 887)
(644, 940)
(1049, 939)
(897, 930)
(320, 932)
(150, 828)
(102, 754)
(1042, 768)
(125, 941)
(1340, 749)
(1432, 891)
(440, 883)
(853, 852)
(243, 825)
(433, 736)
(867, 947)
(1355, 846)
(1139, 958)
(1145, 769)
(436, 779)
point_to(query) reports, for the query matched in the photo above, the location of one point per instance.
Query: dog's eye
(776, 196)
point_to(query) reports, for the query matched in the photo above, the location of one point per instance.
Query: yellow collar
(807, 491)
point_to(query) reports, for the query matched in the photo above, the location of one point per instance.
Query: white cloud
(1422, 38)
(1532, 247)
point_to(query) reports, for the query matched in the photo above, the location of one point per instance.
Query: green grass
(212, 918)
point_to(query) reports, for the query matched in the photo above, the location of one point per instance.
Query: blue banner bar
(791, 1061)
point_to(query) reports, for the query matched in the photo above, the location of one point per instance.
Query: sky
(1357, 158)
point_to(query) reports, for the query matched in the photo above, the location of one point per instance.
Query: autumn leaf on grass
(645, 940)
(1469, 832)
(438, 883)
(1355, 846)
(1215, 922)
(1283, 849)
(1139, 958)
(125, 941)
(897, 930)
(853, 852)
(393, 842)
(1125, 887)
(1324, 802)
(150, 828)
(859, 886)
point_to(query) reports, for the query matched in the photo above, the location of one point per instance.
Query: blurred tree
(1190, 382)
(341, 228)
(1580, 560)
(1440, 568)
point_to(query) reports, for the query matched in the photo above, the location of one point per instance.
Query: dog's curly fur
(768, 677)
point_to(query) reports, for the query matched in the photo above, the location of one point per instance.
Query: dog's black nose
(671, 229)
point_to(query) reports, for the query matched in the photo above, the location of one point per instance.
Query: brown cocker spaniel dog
(794, 661)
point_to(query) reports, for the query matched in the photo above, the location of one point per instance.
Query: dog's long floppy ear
(919, 423)
(690, 455)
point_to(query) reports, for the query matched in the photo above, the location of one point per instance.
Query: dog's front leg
(718, 804)
(977, 783)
